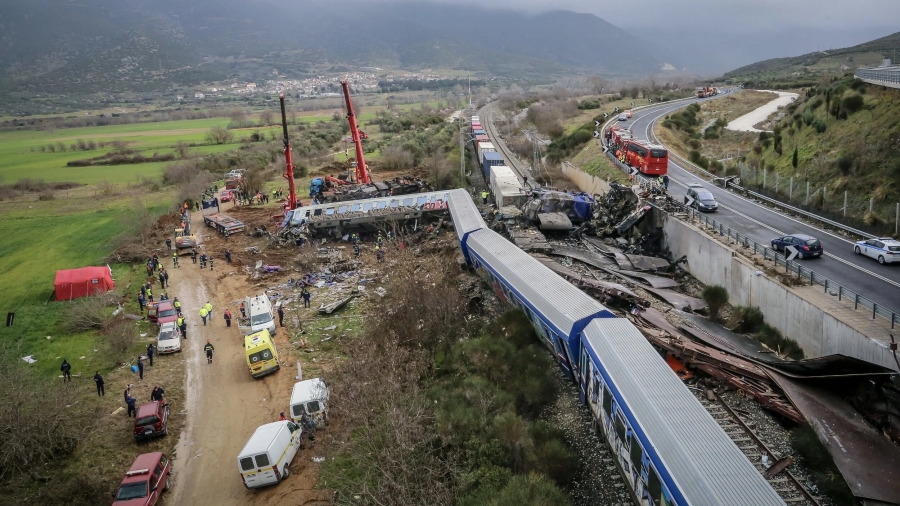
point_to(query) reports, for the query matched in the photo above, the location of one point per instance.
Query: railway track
(486, 115)
(788, 486)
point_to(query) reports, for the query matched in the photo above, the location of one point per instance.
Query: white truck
(260, 315)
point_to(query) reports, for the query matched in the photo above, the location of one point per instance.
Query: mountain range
(59, 46)
(833, 60)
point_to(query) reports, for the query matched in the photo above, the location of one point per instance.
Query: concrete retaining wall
(818, 332)
(585, 182)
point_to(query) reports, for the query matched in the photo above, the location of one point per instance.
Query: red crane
(289, 171)
(362, 171)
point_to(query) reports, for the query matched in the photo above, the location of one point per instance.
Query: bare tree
(265, 117)
(36, 420)
(597, 84)
(182, 150)
(218, 135)
(88, 313)
(238, 117)
(121, 337)
(397, 158)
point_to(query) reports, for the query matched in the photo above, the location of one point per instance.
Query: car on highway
(807, 246)
(884, 249)
(700, 198)
(145, 481)
(623, 117)
(226, 196)
(169, 339)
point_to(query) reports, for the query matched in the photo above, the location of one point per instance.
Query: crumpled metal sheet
(869, 463)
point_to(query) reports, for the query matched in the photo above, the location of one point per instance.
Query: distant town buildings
(320, 86)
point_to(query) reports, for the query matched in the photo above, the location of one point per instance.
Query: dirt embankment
(224, 403)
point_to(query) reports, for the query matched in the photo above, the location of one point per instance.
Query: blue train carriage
(558, 310)
(669, 448)
(466, 218)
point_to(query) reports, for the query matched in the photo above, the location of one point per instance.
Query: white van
(267, 456)
(260, 316)
(310, 396)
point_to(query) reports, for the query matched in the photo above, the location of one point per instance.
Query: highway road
(880, 283)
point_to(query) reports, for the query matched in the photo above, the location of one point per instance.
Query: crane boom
(362, 171)
(289, 170)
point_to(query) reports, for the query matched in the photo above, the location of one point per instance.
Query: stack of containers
(507, 188)
(484, 147)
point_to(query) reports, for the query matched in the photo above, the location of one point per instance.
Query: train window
(395, 204)
(654, 487)
(367, 206)
(607, 401)
(596, 387)
(329, 211)
(407, 202)
(354, 208)
(381, 204)
(317, 212)
(342, 209)
(621, 429)
(421, 201)
(636, 452)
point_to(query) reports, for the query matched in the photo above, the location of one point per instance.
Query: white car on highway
(884, 249)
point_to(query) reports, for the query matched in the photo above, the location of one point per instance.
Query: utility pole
(462, 153)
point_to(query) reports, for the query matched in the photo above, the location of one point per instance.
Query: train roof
(354, 207)
(466, 216)
(559, 301)
(703, 461)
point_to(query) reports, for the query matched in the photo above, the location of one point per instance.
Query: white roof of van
(307, 390)
(260, 441)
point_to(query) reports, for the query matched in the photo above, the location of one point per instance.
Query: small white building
(199, 96)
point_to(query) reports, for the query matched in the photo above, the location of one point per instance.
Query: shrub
(694, 143)
(845, 163)
(715, 296)
(816, 458)
(852, 103)
(820, 126)
(746, 320)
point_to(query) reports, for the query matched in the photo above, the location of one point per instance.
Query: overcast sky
(720, 35)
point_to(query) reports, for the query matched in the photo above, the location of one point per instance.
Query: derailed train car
(669, 449)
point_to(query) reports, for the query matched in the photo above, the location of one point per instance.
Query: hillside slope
(113, 45)
(812, 64)
(847, 138)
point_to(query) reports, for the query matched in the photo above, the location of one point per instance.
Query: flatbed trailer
(222, 222)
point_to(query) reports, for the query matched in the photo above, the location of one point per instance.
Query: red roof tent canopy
(74, 283)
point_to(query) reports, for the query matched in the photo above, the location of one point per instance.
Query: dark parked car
(807, 246)
(700, 198)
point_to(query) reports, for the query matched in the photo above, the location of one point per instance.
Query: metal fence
(778, 259)
(884, 74)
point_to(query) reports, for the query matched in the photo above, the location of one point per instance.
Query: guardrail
(887, 75)
(776, 203)
(779, 259)
(793, 266)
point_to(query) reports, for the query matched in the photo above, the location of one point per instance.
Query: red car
(144, 482)
(151, 421)
(162, 312)
(226, 196)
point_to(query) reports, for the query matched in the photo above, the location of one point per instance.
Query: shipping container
(479, 132)
(485, 147)
(501, 171)
(490, 159)
(508, 191)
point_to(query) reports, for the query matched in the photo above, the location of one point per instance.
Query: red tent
(74, 283)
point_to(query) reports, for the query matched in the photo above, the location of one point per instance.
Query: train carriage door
(567, 353)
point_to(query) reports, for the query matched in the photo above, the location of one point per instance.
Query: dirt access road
(224, 403)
